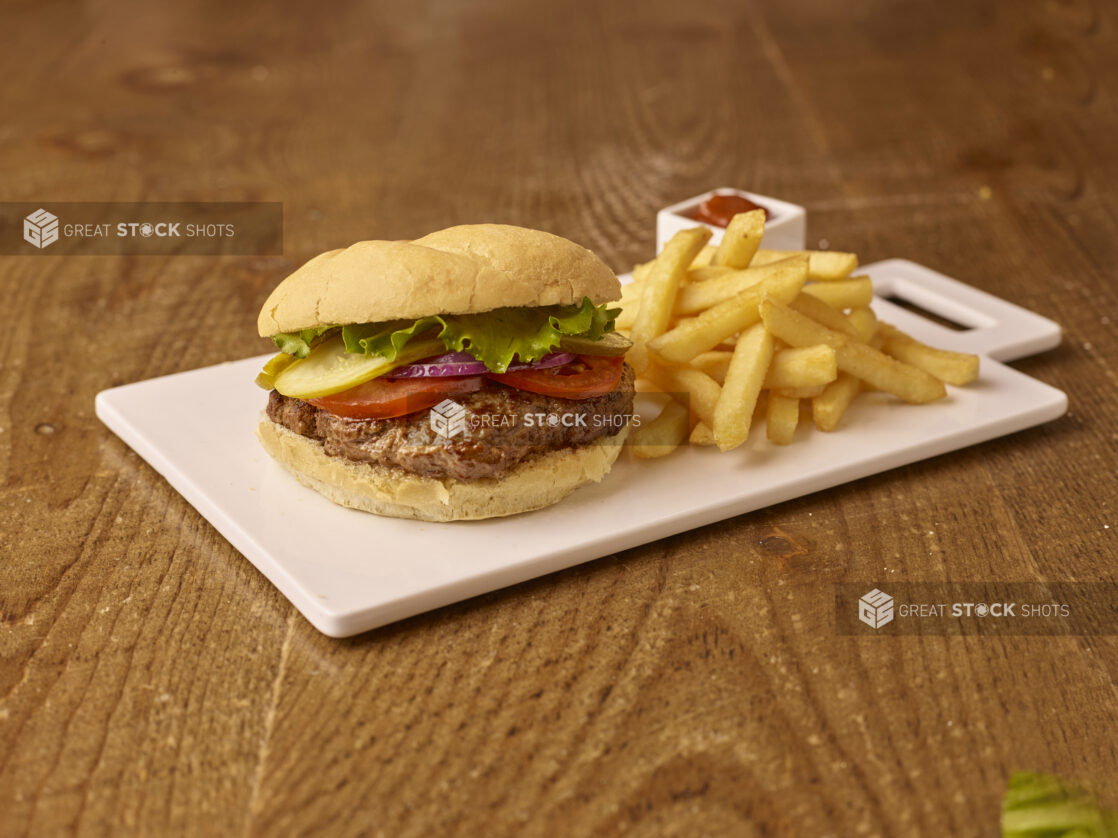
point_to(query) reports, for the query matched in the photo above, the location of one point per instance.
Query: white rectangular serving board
(349, 571)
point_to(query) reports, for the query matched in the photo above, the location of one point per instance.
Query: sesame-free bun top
(460, 270)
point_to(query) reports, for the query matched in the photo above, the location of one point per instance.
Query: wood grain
(152, 682)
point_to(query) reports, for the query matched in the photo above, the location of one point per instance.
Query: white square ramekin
(785, 229)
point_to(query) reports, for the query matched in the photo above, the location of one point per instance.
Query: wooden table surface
(153, 682)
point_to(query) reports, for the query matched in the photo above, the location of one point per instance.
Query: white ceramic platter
(348, 571)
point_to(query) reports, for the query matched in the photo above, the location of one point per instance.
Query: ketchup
(719, 209)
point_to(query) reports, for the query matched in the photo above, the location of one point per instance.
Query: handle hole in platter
(929, 315)
(936, 306)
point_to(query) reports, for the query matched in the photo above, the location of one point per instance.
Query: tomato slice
(584, 378)
(383, 398)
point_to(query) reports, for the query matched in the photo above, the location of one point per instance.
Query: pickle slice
(330, 369)
(611, 344)
(267, 376)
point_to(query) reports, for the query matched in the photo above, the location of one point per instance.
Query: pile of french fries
(734, 333)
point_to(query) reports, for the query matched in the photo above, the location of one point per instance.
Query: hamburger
(468, 374)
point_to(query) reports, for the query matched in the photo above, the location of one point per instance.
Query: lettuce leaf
(493, 337)
(386, 339)
(299, 343)
(528, 334)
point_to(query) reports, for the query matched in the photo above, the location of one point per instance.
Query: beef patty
(504, 426)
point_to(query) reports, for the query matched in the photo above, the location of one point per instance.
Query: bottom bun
(385, 490)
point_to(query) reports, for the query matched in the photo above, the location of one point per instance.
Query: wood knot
(776, 544)
(783, 545)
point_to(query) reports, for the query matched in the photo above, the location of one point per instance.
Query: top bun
(460, 270)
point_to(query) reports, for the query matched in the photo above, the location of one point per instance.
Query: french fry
(733, 413)
(823, 265)
(782, 416)
(877, 369)
(806, 366)
(698, 296)
(864, 322)
(828, 408)
(663, 434)
(701, 434)
(701, 390)
(738, 335)
(714, 363)
(704, 257)
(843, 293)
(800, 392)
(954, 368)
(660, 287)
(876, 342)
(796, 328)
(863, 362)
(700, 262)
(741, 239)
(714, 325)
(820, 312)
(702, 274)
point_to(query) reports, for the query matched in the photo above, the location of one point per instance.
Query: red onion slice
(452, 363)
(463, 363)
(555, 359)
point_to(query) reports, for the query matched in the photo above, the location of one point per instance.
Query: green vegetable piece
(493, 337)
(330, 369)
(1045, 806)
(267, 377)
(528, 334)
(611, 344)
(299, 343)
